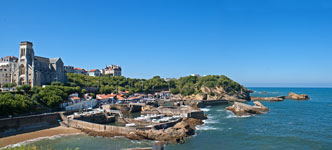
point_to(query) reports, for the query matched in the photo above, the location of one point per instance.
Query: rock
(250, 91)
(182, 124)
(295, 96)
(176, 134)
(269, 99)
(264, 92)
(192, 122)
(259, 104)
(241, 109)
(216, 93)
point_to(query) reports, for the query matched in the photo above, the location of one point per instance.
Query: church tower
(26, 64)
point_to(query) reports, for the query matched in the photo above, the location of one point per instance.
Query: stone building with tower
(8, 65)
(112, 70)
(35, 70)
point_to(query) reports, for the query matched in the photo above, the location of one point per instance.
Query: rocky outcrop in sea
(241, 109)
(291, 95)
(269, 99)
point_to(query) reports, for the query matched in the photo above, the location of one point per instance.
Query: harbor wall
(124, 108)
(167, 124)
(17, 125)
(211, 103)
(114, 130)
(185, 112)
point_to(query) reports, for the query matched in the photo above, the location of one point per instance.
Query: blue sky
(256, 42)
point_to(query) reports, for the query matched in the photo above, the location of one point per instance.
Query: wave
(221, 110)
(206, 128)
(38, 139)
(232, 115)
(205, 109)
(210, 121)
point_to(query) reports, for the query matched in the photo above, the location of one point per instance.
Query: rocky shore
(216, 93)
(176, 134)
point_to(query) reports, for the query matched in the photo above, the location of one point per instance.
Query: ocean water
(296, 125)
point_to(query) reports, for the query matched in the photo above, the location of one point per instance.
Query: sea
(289, 125)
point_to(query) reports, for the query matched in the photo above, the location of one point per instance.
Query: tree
(175, 90)
(26, 89)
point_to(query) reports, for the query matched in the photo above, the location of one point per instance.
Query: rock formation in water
(291, 95)
(269, 99)
(295, 96)
(241, 109)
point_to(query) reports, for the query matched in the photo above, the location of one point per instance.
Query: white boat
(131, 125)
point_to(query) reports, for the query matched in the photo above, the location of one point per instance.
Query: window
(22, 69)
(22, 52)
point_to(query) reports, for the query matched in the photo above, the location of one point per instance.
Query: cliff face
(216, 93)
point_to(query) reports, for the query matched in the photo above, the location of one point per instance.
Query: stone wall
(211, 102)
(198, 114)
(16, 125)
(115, 130)
(124, 108)
(167, 125)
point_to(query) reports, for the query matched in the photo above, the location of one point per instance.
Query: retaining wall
(100, 128)
(167, 125)
(211, 102)
(16, 125)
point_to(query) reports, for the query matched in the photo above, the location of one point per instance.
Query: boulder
(269, 99)
(241, 109)
(295, 96)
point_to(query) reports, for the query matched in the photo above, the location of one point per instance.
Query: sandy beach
(37, 134)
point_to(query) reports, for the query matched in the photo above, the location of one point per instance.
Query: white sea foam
(210, 121)
(206, 128)
(205, 109)
(232, 115)
(38, 139)
(221, 110)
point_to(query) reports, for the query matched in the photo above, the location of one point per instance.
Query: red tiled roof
(120, 97)
(75, 98)
(135, 97)
(78, 69)
(93, 70)
(103, 96)
(111, 95)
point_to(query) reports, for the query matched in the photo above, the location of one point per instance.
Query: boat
(131, 125)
